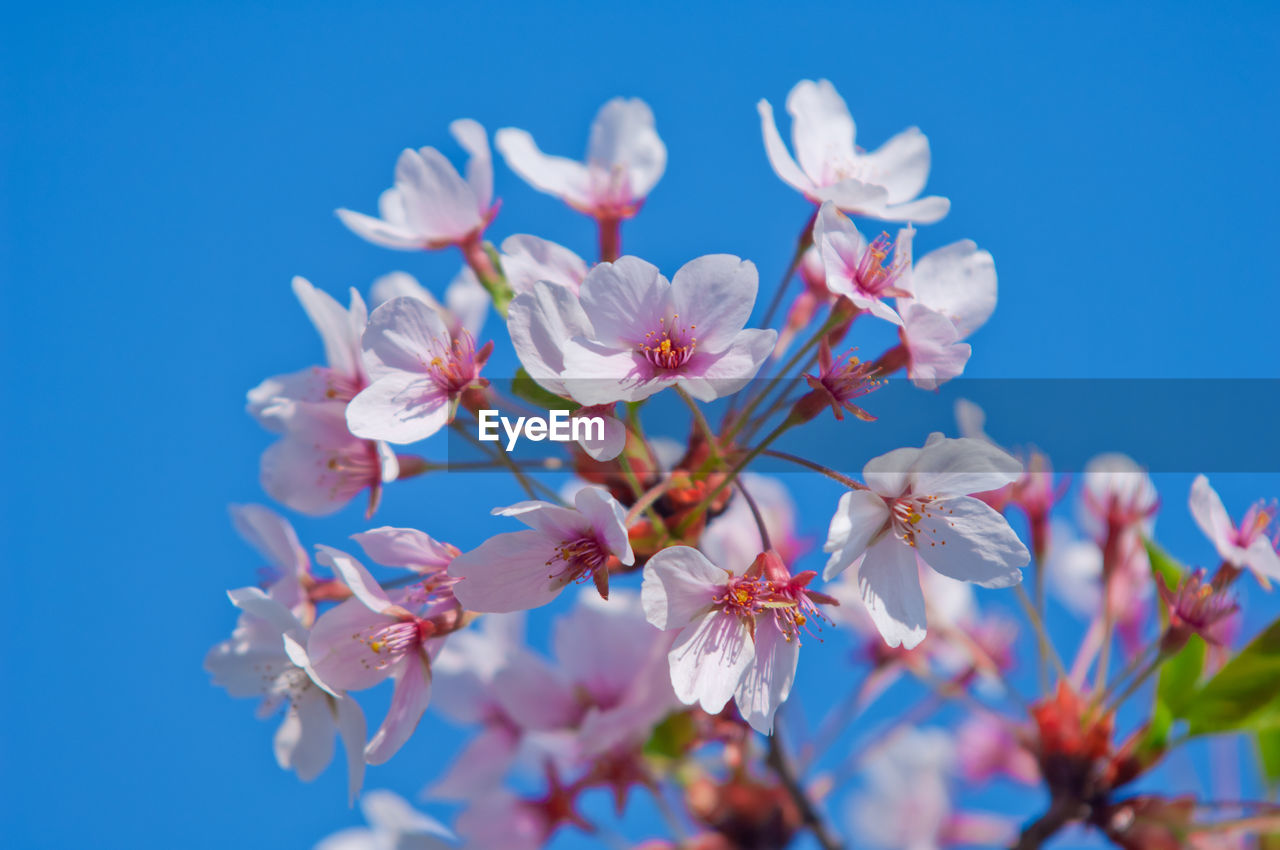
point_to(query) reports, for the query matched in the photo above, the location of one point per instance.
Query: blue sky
(168, 169)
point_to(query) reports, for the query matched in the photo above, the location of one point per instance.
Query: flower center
(669, 347)
(873, 276)
(388, 643)
(1256, 522)
(906, 516)
(455, 369)
(744, 597)
(580, 557)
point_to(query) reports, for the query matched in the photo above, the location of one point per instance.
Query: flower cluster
(669, 670)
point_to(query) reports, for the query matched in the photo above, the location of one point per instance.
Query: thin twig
(781, 766)
(755, 513)
(1036, 623)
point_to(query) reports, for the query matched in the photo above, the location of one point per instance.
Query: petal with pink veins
(766, 683)
(966, 539)
(509, 572)
(708, 660)
(679, 585)
(408, 702)
(889, 583)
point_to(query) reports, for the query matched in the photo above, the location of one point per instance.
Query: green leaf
(1180, 672)
(1179, 675)
(1163, 568)
(1268, 741)
(1157, 733)
(1245, 693)
(672, 737)
(525, 387)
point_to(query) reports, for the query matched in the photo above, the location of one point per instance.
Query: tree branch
(781, 765)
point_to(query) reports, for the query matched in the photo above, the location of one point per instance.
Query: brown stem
(1040, 830)
(610, 239)
(781, 765)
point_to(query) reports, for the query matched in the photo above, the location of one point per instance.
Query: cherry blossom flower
(633, 333)
(598, 704)
(418, 371)
(1118, 497)
(393, 825)
(266, 657)
(1245, 545)
(986, 747)
(408, 548)
(952, 292)
(1196, 607)
(339, 380)
(883, 184)
(1073, 570)
(288, 565)
(856, 269)
(371, 637)
(839, 381)
(319, 465)
(738, 633)
(526, 569)
(465, 674)
(431, 206)
(499, 818)
(917, 508)
(528, 259)
(466, 302)
(906, 800)
(625, 159)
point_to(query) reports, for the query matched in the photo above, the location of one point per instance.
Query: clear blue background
(168, 168)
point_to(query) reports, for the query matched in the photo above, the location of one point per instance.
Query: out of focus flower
(1195, 607)
(733, 536)
(266, 657)
(370, 637)
(431, 206)
(1246, 545)
(499, 818)
(418, 370)
(288, 565)
(1119, 497)
(917, 506)
(528, 259)
(393, 825)
(466, 302)
(987, 747)
(338, 381)
(525, 569)
(906, 804)
(883, 184)
(610, 685)
(1073, 570)
(624, 160)
(646, 333)
(464, 672)
(739, 633)
(318, 466)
